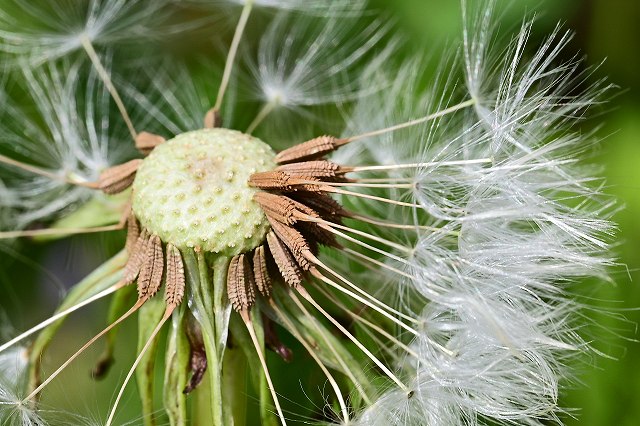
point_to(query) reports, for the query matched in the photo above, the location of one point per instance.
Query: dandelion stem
(378, 328)
(365, 245)
(364, 184)
(150, 340)
(106, 79)
(384, 180)
(410, 123)
(384, 241)
(377, 262)
(127, 314)
(363, 348)
(293, 330)
(262, 114)
(61, 314)
(29, 168)
(228, 67)
(359, 290)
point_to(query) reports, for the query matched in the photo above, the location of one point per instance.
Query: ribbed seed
(309, 150)
(282, 208)
(317, 169)
(133, 233)
(136, 258)
(175, 283)
(282, 181)
(261, 271)
(289, 269)
(152, 269)
(295, 242)
(324, 205)
(240, 284)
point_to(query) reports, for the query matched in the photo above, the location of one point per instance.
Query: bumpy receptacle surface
(192, 191)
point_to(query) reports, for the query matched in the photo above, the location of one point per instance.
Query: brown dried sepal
(118, 178)
(282, 181)
(152, 269)
(198, 354)
(146, 142)
(175, 283)
(212, 119)
(261, 271)
(240, 284)
(309, 150)
(136, 258)
(289, 269)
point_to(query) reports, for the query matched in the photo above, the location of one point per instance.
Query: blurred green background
(608, 388)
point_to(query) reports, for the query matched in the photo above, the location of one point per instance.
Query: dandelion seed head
(13, 364)
(179, 175)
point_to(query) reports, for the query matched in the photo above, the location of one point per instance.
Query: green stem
(221, 314)
(210, 311)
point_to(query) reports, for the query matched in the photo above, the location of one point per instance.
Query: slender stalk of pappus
(45, 173)
(169, 310)
(296, 333)
(212, 118)
(61, 314)
(246, 318)
(91, 341)
(106, 79)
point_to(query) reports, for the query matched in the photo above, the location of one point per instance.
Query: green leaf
(211, 311)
